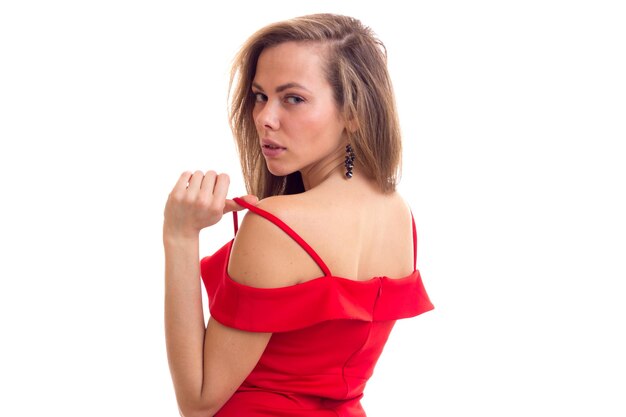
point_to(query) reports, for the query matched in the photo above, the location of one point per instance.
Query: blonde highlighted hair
(356, 68)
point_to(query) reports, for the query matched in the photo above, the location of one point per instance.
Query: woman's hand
(197, 201)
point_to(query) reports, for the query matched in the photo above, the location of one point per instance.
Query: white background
(513, 116)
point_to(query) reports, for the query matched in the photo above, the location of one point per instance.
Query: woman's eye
(294, 100)
(259, 97)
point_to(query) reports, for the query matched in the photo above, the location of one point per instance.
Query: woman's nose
(267, 116)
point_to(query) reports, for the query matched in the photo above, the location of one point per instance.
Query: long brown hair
(355, 67)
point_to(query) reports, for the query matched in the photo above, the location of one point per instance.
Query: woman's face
(296, 117)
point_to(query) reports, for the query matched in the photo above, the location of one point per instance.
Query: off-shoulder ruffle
(298, 306)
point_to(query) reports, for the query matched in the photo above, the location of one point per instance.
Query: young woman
(303, 299)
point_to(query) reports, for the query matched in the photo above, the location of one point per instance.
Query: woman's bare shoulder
(290, 205)
(265, 256)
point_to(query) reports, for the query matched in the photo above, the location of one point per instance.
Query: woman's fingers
(195, 182)
(212, 194)
(232, 206)
(197, 201)
(204, 197)
(220, 190)
(251, 199)
(181, 185)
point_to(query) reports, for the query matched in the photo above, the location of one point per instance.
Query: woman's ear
(352, 125)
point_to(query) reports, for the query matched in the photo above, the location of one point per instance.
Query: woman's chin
(279, 171)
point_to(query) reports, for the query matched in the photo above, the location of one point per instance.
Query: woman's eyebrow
(283, 87)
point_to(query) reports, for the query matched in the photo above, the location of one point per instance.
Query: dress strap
(235, 222)
(270, 217)
(414, 243)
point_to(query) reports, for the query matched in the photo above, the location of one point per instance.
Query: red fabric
(328, 334)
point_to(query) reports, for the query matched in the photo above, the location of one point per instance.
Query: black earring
(349, 161)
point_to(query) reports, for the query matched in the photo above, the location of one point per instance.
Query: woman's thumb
(231, 205)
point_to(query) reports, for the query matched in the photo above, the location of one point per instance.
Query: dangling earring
(349, 161)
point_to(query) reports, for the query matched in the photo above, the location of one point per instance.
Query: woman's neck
(334, 180)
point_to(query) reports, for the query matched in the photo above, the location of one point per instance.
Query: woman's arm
(207, 364)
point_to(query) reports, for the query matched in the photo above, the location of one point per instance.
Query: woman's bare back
(360, 235)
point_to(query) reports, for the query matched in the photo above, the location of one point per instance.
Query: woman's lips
(270, 148)
(272, 151)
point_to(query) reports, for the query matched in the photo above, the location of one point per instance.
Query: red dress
(327, 333)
